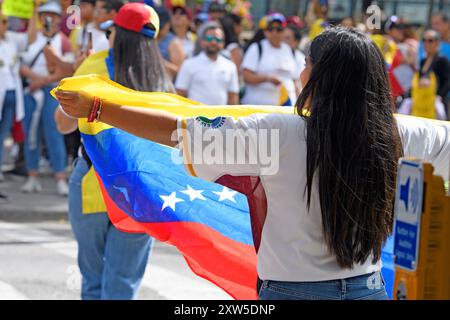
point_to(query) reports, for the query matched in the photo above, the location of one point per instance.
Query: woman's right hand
(75, 104)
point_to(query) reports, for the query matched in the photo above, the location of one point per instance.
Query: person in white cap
(39, 104)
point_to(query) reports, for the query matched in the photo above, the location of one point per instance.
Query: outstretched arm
(154, 125)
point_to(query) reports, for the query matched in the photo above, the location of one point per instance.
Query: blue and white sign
(408, 213)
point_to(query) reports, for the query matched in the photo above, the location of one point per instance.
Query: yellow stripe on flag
(109, 90)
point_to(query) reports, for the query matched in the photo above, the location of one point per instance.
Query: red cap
(134, 16)
(186, 10)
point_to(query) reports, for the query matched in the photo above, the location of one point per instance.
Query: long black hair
(353, 144)
(257, 37)
(228, 23)
(138, 64)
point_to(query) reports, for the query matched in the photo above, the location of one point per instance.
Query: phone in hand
(48, 27)
(90, 43)
(47, 24)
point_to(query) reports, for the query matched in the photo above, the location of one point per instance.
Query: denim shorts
(365, 287)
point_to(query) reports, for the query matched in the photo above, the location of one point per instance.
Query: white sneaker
(32, 185)
(62, 188)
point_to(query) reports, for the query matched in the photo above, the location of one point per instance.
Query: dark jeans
(365, 287)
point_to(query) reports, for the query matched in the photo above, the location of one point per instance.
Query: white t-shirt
(229, 48)
(299, 62)
(292, 242)
(40, 66)
(11, 47)
(99, 40)
(278, 62)
(188, 44)
(208, 81)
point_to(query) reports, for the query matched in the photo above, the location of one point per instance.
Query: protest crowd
(213, 53)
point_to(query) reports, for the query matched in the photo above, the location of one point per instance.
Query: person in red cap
(112, 262)
(181, 21)
(170, 47)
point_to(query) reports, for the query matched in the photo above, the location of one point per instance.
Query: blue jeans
(7, 119)
(112, 262)
(53, 139)
(365, 287)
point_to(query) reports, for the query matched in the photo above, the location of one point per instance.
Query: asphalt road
(38, 262)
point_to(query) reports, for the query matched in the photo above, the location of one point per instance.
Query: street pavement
(35, 207)
(38, 262)
(20, 207)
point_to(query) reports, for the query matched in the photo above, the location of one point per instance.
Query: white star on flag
(170, 201)
(226, 194)
(194, 194)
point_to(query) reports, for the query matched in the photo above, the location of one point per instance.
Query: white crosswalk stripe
(170, 284)
(8, 292)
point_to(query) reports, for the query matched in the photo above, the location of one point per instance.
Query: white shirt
(40, 66)
(188, 44)
(292, 242)
(11, 47)
(99, 40)
(278, 62)
(208, 81)
(300, 62)
(227, 51)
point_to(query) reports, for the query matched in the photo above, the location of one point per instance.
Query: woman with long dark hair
(137, 62)
(232, 27)
(331, 182)
(113, 262)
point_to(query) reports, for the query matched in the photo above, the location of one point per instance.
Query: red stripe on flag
(228, 264)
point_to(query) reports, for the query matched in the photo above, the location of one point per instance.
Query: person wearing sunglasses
(170, 47)
(440, 21)
(181, 18)
(209, 77)
(269, 65)
(431, 84)
(39, 77)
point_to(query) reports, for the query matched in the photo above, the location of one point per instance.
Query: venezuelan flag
(146, 188)
(284, 100)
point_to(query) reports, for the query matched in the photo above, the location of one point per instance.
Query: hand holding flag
(75, 104)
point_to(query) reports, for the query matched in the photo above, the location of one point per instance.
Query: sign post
(421, 234)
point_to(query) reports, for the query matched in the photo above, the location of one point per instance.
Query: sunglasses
(108, 33)
(277, 29)
(429, 40)
(212, 38)
(180, 12)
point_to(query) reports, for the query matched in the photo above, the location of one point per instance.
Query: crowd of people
(197, 50)
(203, 56)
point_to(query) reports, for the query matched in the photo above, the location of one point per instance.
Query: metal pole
(352, 8)
(268, 6)
(430, 11)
